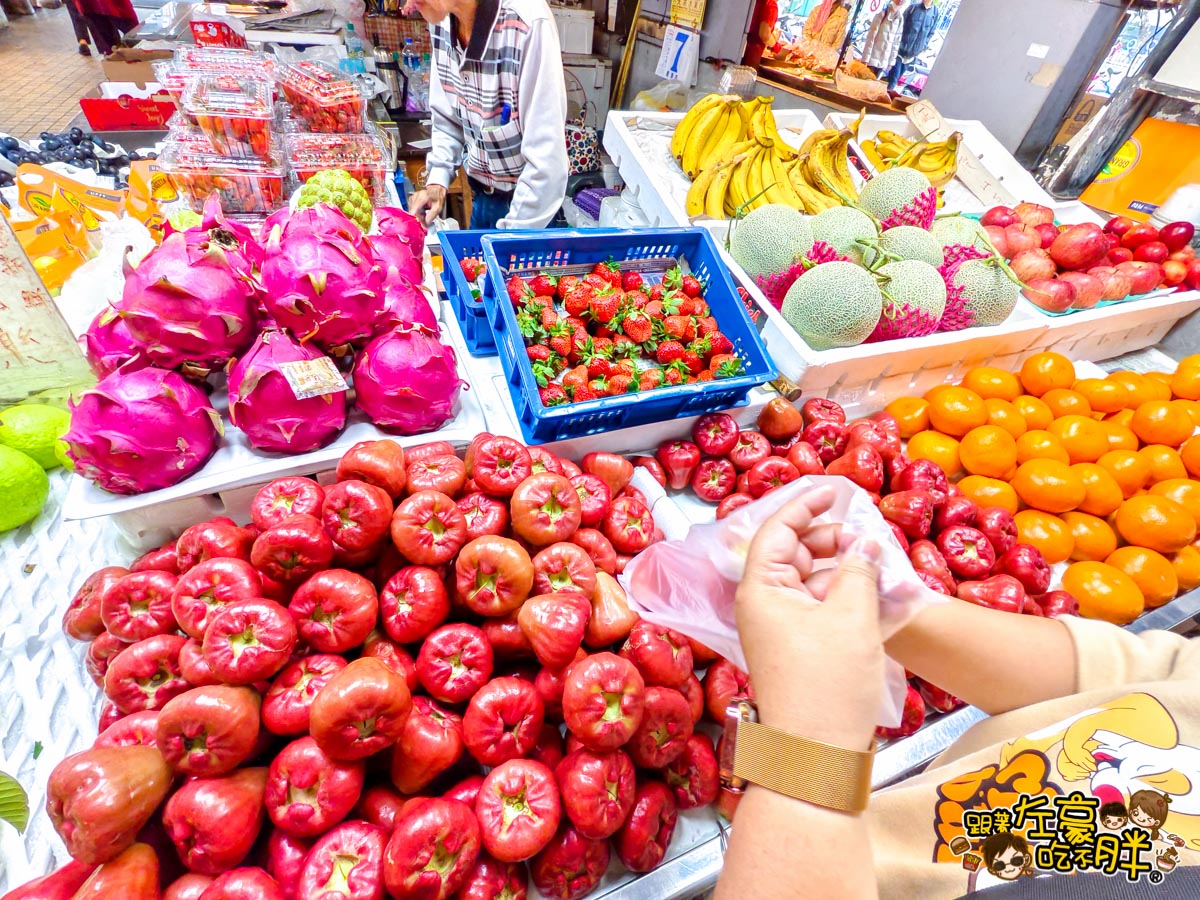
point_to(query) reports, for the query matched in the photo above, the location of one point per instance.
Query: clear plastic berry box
(245, 185)
(362, 155)
(235, 111)
(323, 97)
(226, 59)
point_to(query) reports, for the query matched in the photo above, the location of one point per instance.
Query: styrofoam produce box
(640, 145)
(992, 154)
(1105, 332)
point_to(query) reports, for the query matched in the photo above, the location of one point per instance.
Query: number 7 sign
(680, 55)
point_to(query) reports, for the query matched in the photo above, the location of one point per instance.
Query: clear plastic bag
(689, 584)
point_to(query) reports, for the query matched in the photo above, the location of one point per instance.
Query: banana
(776, 182)
(814, 201)
(826, 169)
(754, 182)
(887, 136)
(819, 135)
(772, 132)
(871, 152)
(718, 191)
(699, 139)
(697, 194)
(684, 129)
(739, 187)
(724, 141)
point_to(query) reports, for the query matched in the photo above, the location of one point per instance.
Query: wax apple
(466, 791)
(432, 850)
(642, 842)
(499, 465)
(751, 447)
(816, 409)
(874, 434)
(629, 526)
(967, 551)
(413, 603)
(518, 809)
(570, 866)
(357, 517)
(545, 461)
(494, 575)
(209, 586)
(83, 620)
(770, 473)
(210, 540)
(722, 683)
(998, 526)
(208, 730)
(307, 791)
(60, 884)
(603, 701)
(503, 720)
(161, 559)
(284, 497)
(100, 654)
(927, 559)
(936, 698)
(679, 460)
(132, 875)
(138, 606)
(1026, 564)
(334, 610)
(653, 466)
(714, 479)
(613, 469)
(491, 879)
(662, 655)
(554, 625)
(188, 887)
(146, 675)
(911, 511)
(911, 718)
(665, 727)
(360, 710)
(483, 515)
(733, 502)
(431, 742)
(564, 567)
(1058, 603)
(597, 790)
(923, 475)
(380, 463)
(454, 662)
(594, 499)
(428, 528)
(779, 421)
(611, 619)
(249, 641)
(694, 775)
(135, 729)
(862, 464)
(598, 547)
(293, 550)
(99, 799)
(550, 748)
(446, 474)
(546, 509)
(247, 883)
(345, 862)
(288, 702)
(214, 822)
(549, 685)
(956, 511)
(1002, 592)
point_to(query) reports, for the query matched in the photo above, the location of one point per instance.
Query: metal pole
(618, 89)
(849, 33)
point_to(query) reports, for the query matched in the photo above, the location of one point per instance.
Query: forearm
(781, 849)
(994, 660)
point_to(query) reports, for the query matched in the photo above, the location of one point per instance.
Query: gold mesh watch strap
(807, 770)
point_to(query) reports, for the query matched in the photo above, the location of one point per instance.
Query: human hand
(812, 643)
(427, 205)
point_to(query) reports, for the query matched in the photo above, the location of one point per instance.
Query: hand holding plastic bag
(690, 584)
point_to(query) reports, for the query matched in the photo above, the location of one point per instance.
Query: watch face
(739, 710)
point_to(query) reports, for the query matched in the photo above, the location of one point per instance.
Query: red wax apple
(564, 567)
(751, 447)
(360, 710)
(357, 517)
(214, 822)
(161, 559)
(717, 433)
(1026, 564)
(862, 464)
(413, 603)
(83, 620)
(722, 683)
(1058, 603)
(818, 408)
(380, 463)
(554, 625)
(444, 474)
(135, 729)
(611, 619)
(967, 551)
(132, 875)
(284, 497)
(549, 686)
(598, 547)
(307, 791)
(483, 514)
(210, 585)
(957, 510)
(208, 730)
(518, 809)
(642, 842)
(60, 884)
(597, 791)
(714, 479)
(138, 606)
(431, 742)
(100, 654)
(293, 550)
(249, 641)
(911, 511)
(770, 473)
(603, 701)
(428, 528)
(335, 610)
(493, 575)
(998, 526)
(1002, 592)
(594, 499)
(345, 862)
(466, 791)
(653, 466)
(211, 540)
(629, 526)
(911, 719)
(503, 721)
(733, 502)
(499, 465)
(665, 727)
(146, 675)
(431, 851)
(937, 699)
(679, 460)
(614, 470)
(288, 702)
(380, 805)
(428, 450)
(570, 867)
(248, 883)
(491, 879)
(454, 662)
(868, 431)
(923, 475)
(546, 509)
(694, 775)
(828, 437)
(188, 887)
(545, 461)
(928, 559)
(661, 655)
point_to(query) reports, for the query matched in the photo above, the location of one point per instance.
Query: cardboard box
(123, 106)
(1080, 115)
(128, 64)
(1143, 173)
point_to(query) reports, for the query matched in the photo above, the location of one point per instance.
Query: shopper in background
(883, 38)
(498, 101)
(920, 21)
(826, 24)
(1076, 705)
(107, 20)
(80, 28)
(764, 32)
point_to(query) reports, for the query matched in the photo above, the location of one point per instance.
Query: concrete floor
(42, 75)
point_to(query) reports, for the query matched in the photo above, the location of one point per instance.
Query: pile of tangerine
(1100, 472)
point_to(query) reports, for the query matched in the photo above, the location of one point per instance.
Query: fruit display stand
(640, 146)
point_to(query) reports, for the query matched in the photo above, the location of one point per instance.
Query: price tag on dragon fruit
(313, 377)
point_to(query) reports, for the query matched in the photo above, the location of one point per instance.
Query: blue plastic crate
(457, 246)
(696, 252)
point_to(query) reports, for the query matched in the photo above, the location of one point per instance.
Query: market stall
(349, 498)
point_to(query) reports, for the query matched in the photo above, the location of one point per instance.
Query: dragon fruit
(406, 304)
(239, 242)
(406, 381)
(141, 431)
(400, 244)
(108, 343)
(185, 304)
(321, 279)
(263, 404)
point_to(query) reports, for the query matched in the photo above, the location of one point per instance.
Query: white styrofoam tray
(992, 154)
(1105, 332)
(640, 145)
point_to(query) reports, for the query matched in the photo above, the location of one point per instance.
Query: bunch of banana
(823, 160)
(938, 160)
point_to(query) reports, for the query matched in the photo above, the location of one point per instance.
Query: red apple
(1079, 246)
(999, 215)
(1088, 288)
(1143, 276)
(1033, 213)
(1151, 251)
(1022, 237)
(1031, 264)
(1177, 235)
(1114, 283)
(1139, 234)
(1118, 255)
(999, 238)
(1192, 280)
(1046, 233)
(1118, 225)
(1050, 294)
(1174, 272)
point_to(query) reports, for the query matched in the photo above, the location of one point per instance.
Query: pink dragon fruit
(406, 304)
(108, 343)
(406, 381)
(400, 244)
(186, 305)
(263, 404)
(141, 431)
(322, 280)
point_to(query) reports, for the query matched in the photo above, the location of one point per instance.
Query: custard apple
(339, 188)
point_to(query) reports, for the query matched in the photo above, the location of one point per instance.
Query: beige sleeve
(1109, 656)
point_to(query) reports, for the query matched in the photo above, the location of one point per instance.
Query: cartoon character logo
(1113, 815)
(1008, 856)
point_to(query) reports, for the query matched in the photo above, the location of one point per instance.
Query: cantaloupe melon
(900, 196)
(841, 227)
(951, 230)
(978, 292)
(907, 242)
(770, 239)
(834, 305)
(914, 298)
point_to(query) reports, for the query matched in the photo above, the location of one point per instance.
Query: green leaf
(37, 749)
(14, 804)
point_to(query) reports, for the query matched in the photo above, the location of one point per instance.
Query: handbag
(583, 143)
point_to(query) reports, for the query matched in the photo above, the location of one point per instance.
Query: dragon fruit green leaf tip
(185, 304)
(406, 382)
(263, 405)
(142, 430)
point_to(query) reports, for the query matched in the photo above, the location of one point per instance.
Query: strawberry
(720, 343)
(620, 384)
(671, 302)
(562, 340)
(656, 292)
(599, 385)
(654, 309)
(579, 331)
(624, 348)
(650, 379)
(691, 286)
(706, 375)
(668, 352)
(636, 299)
(518, 290)
(725, 365)
(529, 323)
(604, 306)
(674, 376)
(565, 283)
(625, 366)
(472, 267)
(677, 326)
(578, 298)
(693, 361)
(544, 285)
(687, 306)
(583, 393)
(538, 352)
(554, 395)
(609, 271)
(549, 317)
(702, 308)
(632, 281)
(544, 372)
(596, 282)
(673, 279)
(575, 377)
(603, 345)
(701, 347)
(637, 326)
(706, 325)
(603, 332)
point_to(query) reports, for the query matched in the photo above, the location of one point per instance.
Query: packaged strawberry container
(323, 97)
(173, 78)
(225, 59)
(362, 155)
(245, 185)
(235, 111)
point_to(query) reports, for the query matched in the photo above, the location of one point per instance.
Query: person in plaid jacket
(498, 102)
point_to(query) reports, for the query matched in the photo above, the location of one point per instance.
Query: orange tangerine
(911, 414)
(1166, 422)
(1120, 437)
(937, 447)
(1102, 493)
(1129, 468)
(1192, 361)
(1186, 564)
(1104, 592)
(1185, 383)
(988, 450)
(1151, 572)
(1040, 445)
(1004, 414)
(1066, 402)
(956, 410)
(1048, 485)
(1104, 396)
(1154, 521)
(1045, 371)
(1158, 385)
(1083, 438)
(1135, 384)
(1094, 539)
(989, 382)
(1048, 533)
(1121, 417)
(1193, 408)
(1189, 455)
(985, 492)
(1037, 414)
(1183, 491)
(1165, 463)
(935, 390)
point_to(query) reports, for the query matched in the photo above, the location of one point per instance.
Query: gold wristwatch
(797, 767)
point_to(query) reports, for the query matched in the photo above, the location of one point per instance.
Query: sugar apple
(339, 188)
